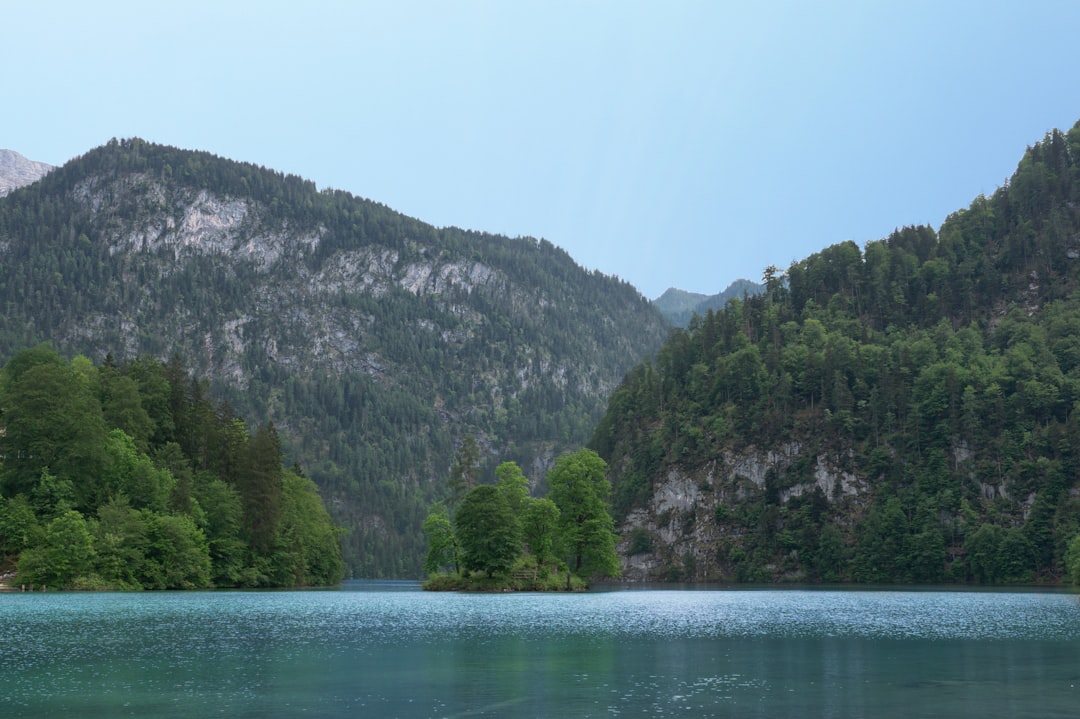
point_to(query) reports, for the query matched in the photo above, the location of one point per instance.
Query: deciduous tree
(487, 531)
(580, 489)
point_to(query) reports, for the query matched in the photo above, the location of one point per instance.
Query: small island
(498, 538)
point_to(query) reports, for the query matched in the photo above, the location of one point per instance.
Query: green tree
(120, 544)
(222, 523)
(880, 556)
(830, 557)
(465, 471)
(122, 407)
(580, 490)
(131, 473)
(1072, 560)
(66, 554)
(19, 528)
(51, 420)
(487, 531)
(540, 528)
(51, 495)
(260, 486)
(178, 556)
(1016, 557)
(983, 547)
(308, 539)
(442, 544)
(926, 556)
(514, 486)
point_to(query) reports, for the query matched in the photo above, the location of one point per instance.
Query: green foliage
(442, 544)
(177, 554)
(66, 553)
(51, 495)
(122, 541)
(640, 542)
(307, 541)
(19, 527)
(1072, 560)
(465, 470)
(580, 489)
(259, 481)
(540, 528)
(500, 531)
(52, 421)
(487, 531)
(527, 575)
(939, 369)
(513, 485)
(111, 516)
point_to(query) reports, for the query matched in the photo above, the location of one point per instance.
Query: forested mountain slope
(374, 342)
(903, 411)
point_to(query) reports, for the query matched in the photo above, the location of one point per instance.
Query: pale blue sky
(670, 143)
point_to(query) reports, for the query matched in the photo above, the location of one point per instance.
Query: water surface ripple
(386, 649)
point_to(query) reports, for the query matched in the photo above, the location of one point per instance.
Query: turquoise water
(389, 650)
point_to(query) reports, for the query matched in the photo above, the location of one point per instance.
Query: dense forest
(373, 341)
(913, 404)
(129, 477)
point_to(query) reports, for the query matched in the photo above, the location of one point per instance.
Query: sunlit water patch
(388, 650)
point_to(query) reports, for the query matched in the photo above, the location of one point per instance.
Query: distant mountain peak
(16, 171)
(676, 300)
(678, 306)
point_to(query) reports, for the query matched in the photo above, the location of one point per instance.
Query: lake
(386, 649)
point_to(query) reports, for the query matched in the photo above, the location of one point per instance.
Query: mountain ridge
(17, 171)
(679, 306)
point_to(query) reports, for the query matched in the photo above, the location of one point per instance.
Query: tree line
(129, 477)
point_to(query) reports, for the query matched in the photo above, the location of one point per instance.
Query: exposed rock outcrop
(16, 171)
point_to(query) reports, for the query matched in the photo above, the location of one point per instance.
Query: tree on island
(487, 531)
(499, 530)
(580, 489)
(540, 528)
(442, 544)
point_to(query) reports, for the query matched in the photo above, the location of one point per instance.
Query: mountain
(374, 342)
(900, 412)
(16, 171)
(676, 300)
(679, 306)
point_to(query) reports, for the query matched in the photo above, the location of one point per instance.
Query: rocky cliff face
(16, 171)
(173, 228)
(690, 519)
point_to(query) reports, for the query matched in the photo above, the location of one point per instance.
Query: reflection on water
(389, 650)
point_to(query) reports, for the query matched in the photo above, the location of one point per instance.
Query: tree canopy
(498, 529)
(191, 500)
(580, 491)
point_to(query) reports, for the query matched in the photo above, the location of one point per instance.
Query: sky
(669, 143)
